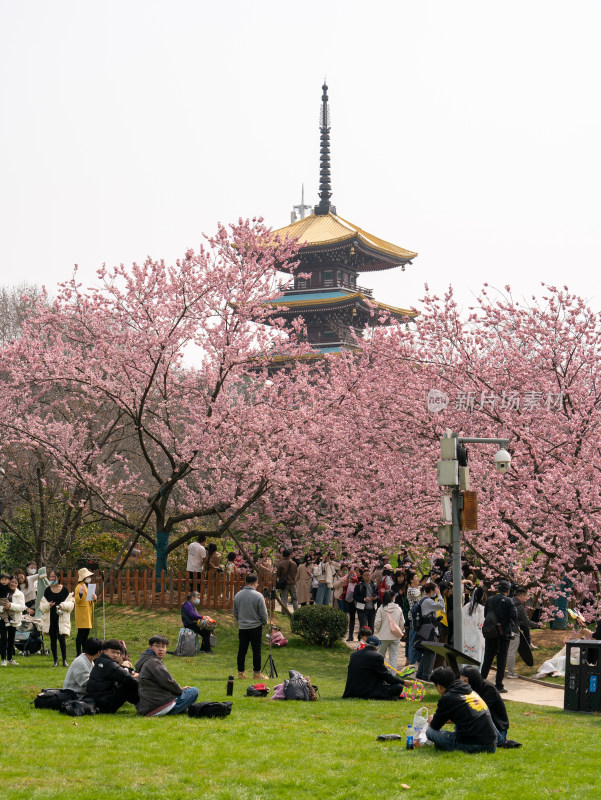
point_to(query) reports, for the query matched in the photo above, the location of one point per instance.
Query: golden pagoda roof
(329, 229)
(296, 301)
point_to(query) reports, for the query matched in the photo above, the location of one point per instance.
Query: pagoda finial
(325, 189)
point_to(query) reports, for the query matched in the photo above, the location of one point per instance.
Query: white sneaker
(4, 663)
(13, 662)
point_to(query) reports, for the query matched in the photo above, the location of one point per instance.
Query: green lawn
(284, 750)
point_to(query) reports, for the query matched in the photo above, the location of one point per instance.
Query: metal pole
(457, 574)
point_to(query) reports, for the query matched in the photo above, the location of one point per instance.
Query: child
(364, 632)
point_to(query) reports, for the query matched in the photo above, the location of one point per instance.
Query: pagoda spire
(325, 188)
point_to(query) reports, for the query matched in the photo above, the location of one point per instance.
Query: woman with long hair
(56, 606)
(472, 615)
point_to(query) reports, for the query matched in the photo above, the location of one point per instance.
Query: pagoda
(332, 252)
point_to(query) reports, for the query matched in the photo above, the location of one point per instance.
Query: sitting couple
(100, 675)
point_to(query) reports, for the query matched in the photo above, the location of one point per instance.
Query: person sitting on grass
(368, 677)
(489, 693)
(474, 730)
(160, 693)
(110, 685)
(78, 674)
(191, 618)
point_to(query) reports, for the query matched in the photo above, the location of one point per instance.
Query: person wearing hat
(84, 609)
(499, 614)
(367, 676)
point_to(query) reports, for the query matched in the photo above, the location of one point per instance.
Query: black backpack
(210, 709)
(53, 698)
(417, 616)
(297, 688)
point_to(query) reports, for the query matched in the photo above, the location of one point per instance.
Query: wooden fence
(142, 588)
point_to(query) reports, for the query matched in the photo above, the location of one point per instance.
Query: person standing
(414, 594)
(84, 609)
(499, 614)
(196, 559)
(56, 606)
(521, 626)
(365, 596)
(472, 615)
(304, 577)
(11, 609)
(430, 606)
(324, 573)
(388, 613)
(286, 571)
(250, 612)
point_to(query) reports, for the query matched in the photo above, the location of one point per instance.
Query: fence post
(119, 587)
(171, 596)
(152, 590)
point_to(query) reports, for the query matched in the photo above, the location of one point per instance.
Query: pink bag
(278, 639)
(394, 628)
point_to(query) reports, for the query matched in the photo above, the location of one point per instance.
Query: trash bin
(583, 676)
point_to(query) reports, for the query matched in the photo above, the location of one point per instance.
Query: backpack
(297, 688)
(186, 643)
(490, 627)
(53, 699)
(210, 709)
(417, 617)
(258, 690)
(79, 708)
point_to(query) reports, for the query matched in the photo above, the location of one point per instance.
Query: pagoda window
(353, 280)
(340, 278)
(301, 283)
(328, 277)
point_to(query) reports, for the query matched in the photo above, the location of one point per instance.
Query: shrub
(322, 625)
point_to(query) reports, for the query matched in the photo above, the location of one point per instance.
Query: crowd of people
(393, 612)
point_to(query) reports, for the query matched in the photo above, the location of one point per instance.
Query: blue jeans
(324, 593)
(186, 698)
(501, 737)
(414, 656)
(447, 740)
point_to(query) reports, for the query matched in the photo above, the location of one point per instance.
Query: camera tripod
(273, 673)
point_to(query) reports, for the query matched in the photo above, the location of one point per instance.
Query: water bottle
(229, 689)
(409, 737)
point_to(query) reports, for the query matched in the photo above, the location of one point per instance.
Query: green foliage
(321, 625)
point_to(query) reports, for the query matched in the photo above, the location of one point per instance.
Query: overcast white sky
(469, 131)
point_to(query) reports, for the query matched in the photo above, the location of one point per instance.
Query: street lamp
(453, 472)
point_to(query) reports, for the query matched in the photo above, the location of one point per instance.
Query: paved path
(518, 689)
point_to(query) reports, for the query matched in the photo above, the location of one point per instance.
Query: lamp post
(453, 472)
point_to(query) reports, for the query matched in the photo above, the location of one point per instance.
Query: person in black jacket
(474, 730)
(367, 676)
(111, 685)
(498, 635)
(490, 694)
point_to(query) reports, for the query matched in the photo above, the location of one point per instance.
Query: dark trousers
(426, 665)
(194, 578)
(252, 637)
(367, 617)
(56, 636)
(109, 703)
(81, 639)
(7, 640)
(495, 647)
(351, 611)
(204, 634)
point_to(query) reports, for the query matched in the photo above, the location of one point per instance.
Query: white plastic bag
(420, 720)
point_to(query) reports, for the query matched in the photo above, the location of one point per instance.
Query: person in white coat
(388, 615)
(11, 611)
(56, 606)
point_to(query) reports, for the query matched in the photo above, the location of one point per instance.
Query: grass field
(284, 750)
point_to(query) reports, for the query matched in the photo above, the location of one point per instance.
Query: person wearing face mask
(31, 579)
(56, 606)
(12, 606)
(84, 609)
(191, 618)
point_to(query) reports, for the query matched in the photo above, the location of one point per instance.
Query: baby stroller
(29, 638)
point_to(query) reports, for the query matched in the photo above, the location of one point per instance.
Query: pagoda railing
(328, 284)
